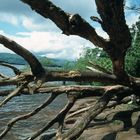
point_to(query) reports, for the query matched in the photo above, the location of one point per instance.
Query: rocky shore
(119, 123)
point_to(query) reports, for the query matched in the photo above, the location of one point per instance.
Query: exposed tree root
(78, 112)
(94, 110)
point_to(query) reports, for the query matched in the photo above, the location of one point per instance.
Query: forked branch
(59, 118)
(68, 23)
(35, 65)
(94, 110)
(26, 116)
(13, 93)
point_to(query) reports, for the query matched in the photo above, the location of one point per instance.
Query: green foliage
(99, 57)
(26, 68)
(12, 59)
(45, 61)
(133, 54)
(68, 65)
(81, 64)
(94, 55)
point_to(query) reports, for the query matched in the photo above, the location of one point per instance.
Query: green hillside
(48, 62)
(12, 59)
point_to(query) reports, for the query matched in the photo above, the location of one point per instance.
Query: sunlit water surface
(23, 104)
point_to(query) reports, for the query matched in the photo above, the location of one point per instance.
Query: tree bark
(35, 65)
(114, 24)
(68, 23)
(112, 21)
(94, 110)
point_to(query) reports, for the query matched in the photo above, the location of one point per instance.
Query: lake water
(24, 104)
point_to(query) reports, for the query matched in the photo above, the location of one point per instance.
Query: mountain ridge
(18, 60)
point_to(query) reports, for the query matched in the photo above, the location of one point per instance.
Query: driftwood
(120, 84)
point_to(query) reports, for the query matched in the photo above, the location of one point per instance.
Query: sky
(41, 36)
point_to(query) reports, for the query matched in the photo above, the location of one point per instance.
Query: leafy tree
(133, 54)
(101, 58)
(45, 61)
(93, 56)
(68, 65)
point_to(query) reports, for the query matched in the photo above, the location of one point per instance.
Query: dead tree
(120, 83)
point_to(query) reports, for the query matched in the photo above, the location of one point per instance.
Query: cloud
(19, 13)
(51, 44)
(85, 8)
(9, 18)
(33, 25)
(41, 39)
(131, 18)
(42, 36)
(130, 3)
(15, 7)
(131, 15)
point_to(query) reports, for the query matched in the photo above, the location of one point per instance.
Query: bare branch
(96, 19)
(112, 15)
(58, 118)
(89, 90)
(26, 116)
(94, 110)
(15, 70)
(81, 76)
(69, 24)
(86, 91)
(113, 104)
(35, 65)
(78, 112)
(16, 80)
(81, 124)
(112, 20)
(14, 93)
(100, 68)
(3, 76)
(114, 24)
(64, 76)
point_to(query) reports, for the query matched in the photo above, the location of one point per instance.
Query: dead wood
(121, 84)
(13, 93)
(15, 70)
(35, 65)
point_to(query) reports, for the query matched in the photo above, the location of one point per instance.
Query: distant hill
(16, 59)
(12, 59)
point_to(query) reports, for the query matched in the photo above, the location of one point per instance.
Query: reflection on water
(8, 71)
(24, 104)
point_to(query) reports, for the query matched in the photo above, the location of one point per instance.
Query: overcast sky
(41, 36)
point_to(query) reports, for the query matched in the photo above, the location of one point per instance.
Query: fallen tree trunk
(121, 84)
